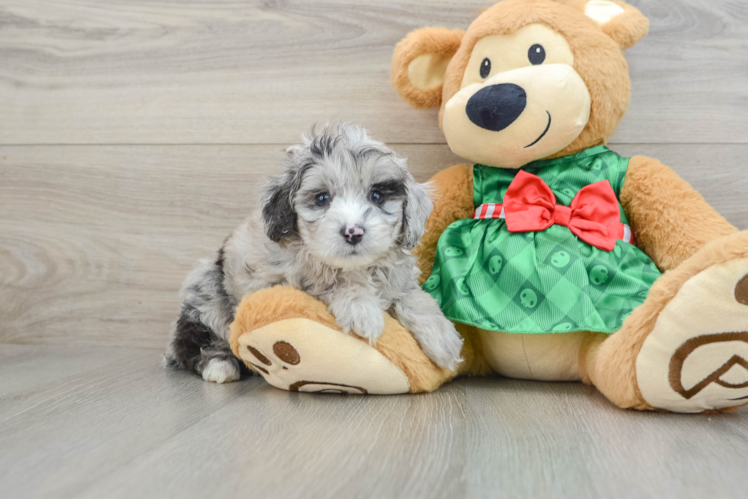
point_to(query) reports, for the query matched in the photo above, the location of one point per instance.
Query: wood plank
(97, 422)
(134, 429)
(97, 240)
(567, 440)
(215, 71)
(34, 376)
(85, 412)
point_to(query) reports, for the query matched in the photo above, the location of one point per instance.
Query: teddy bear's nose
(497, 106)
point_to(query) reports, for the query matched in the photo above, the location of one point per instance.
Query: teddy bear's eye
(485, 68)
(536, 54)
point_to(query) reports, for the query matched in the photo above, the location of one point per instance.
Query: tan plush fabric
(626, 29)
(306, 356)
(550, 357)
(610, 364)
(557, 114)
(439, 42)
(696, 357)
(453, 192)
(670, 219)
(273, 306)
(597, 57)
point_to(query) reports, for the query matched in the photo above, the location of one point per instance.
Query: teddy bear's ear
(420, 63)
(619, 20)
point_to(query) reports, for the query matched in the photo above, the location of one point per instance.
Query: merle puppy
(338, 224)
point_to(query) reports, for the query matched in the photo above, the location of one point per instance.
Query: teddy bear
(557, 259)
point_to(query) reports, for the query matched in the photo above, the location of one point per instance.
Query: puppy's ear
(416, 210)
(420, 62)
(277, 208)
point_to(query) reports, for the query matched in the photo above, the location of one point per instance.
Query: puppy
(339, 224)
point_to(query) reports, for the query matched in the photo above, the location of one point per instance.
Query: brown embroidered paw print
(288, 355)
(301, 355)
(696, 357)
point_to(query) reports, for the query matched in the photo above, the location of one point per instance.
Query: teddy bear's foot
(302, 355)
(292, 340)
(685, 349)
(696, 357)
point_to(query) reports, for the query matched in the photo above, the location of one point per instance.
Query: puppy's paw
(369, 326)
(439, 340)
(364, 319)
(221, 371)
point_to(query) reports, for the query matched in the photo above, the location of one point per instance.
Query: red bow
(593, 216)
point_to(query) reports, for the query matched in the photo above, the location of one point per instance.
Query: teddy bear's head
(529, 79)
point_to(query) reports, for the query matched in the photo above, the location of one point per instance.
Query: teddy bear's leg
(552, 357)
(292, 340)
(686, 348)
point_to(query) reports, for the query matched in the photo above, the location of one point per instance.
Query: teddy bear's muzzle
(517, 116)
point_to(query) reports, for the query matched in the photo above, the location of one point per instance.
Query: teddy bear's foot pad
(301, 355)
(696, 357)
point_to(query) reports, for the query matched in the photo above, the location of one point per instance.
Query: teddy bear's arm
(671, 221)
(453, 189)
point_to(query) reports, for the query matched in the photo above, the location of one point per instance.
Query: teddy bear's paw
(301, 355)
(696, 357)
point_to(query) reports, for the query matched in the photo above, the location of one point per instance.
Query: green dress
(539, 282)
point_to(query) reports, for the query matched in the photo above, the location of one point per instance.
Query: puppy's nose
(353, 234)
(497, 106)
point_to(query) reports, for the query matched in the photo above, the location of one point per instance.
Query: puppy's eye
(376, 197)
(536, 54)
(485, 68)
(322, 199)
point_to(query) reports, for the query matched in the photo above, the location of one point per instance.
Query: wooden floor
(95, 422)
(134, 134)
